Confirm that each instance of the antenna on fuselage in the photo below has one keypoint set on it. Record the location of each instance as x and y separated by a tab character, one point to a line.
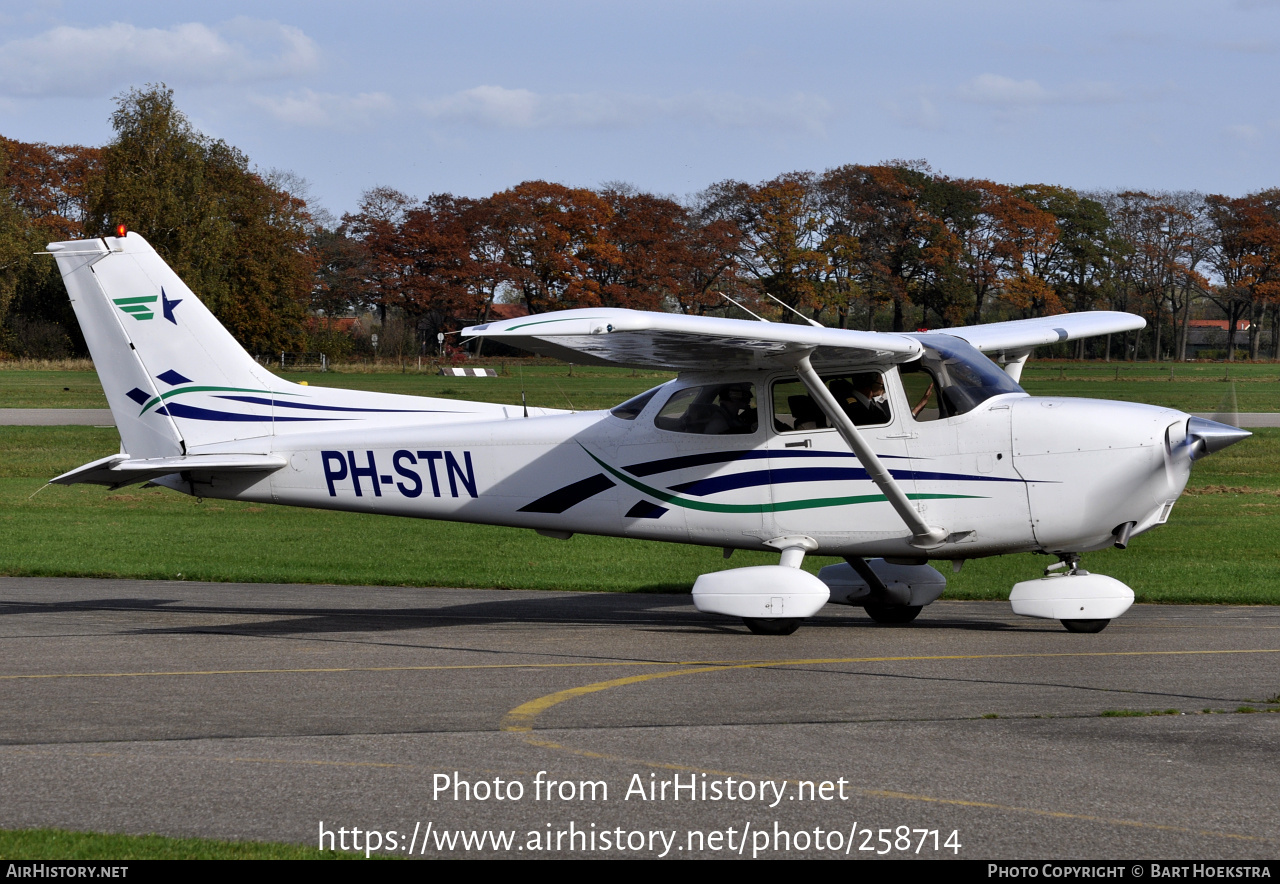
522	399
812	322
740	307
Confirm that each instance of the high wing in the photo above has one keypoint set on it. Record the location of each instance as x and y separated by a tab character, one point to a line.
1021	335
613	336
1010	343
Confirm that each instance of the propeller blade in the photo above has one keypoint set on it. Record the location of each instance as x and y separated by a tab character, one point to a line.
1228	411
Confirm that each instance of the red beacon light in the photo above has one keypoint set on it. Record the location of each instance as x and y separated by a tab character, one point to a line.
122	230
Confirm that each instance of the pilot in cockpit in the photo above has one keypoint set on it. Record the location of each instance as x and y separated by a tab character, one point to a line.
862	398
733	412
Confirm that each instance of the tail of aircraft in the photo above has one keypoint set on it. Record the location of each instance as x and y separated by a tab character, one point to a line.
163	359
175	378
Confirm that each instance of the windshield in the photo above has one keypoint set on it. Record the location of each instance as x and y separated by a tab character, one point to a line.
631	409
962	376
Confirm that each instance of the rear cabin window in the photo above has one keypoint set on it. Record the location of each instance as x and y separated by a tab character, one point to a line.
712	410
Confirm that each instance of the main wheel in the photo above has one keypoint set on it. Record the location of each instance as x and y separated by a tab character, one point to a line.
899	614
1085	625
772	625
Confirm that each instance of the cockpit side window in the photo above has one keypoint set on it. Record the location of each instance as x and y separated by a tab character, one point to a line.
861	395
921	389
712	410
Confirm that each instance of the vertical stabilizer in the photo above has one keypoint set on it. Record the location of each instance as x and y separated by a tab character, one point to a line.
168	367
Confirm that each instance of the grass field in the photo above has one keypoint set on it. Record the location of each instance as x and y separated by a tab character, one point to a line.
1193	386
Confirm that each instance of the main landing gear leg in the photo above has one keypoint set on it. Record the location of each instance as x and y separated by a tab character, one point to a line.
793	550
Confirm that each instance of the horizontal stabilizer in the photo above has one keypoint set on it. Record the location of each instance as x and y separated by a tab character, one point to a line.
120	469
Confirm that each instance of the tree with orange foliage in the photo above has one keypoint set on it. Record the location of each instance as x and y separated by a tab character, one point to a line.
49	183
46	186
549	235
709	247
643	260
1078	264
376	226
885	239
1009	250
781	223
1247	257
1163	246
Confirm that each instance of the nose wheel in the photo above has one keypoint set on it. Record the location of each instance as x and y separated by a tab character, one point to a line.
1084	625
1080	601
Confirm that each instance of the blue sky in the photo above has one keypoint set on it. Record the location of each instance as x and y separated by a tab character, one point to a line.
474	97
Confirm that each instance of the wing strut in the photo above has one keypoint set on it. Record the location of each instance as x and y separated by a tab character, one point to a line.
924	535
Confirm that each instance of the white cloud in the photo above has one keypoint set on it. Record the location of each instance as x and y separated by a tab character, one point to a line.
503	108
325	110
88	61
1005	92
994	89
915	112
1245	132
1248	47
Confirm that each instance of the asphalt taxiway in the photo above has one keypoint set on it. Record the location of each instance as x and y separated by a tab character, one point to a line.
268	712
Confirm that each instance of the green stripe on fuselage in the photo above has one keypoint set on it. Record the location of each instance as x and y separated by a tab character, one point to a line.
774	507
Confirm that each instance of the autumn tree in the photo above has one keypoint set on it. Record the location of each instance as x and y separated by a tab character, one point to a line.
1010	249
781	225
238	242
548	235
710	248
47	185
16	240
1246	256
1162	247
644	260
899	249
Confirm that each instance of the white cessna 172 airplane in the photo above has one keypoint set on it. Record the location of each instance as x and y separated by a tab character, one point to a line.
886	450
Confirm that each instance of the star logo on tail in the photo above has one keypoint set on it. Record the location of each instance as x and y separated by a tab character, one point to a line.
168	306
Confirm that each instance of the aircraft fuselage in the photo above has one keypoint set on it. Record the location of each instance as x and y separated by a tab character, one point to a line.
1016	473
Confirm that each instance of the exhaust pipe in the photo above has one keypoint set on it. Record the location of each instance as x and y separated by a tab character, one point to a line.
1121	534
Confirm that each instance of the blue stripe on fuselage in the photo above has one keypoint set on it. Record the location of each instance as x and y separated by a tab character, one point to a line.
706	458
258	400
753	478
